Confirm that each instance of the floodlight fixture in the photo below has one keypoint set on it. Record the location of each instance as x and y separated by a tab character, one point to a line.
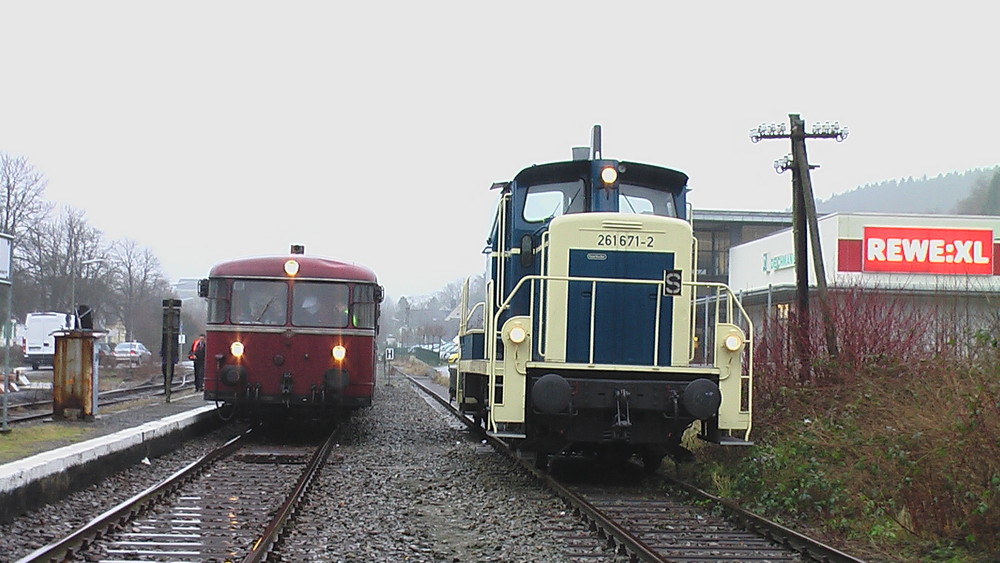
783	163
828	130
768	131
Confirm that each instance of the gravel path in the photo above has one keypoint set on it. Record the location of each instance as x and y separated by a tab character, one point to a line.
404	484
407	484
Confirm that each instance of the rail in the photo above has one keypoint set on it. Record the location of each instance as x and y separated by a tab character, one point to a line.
628	534
68	547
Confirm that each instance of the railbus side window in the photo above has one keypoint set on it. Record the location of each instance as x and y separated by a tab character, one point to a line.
259	302
218	301
363	306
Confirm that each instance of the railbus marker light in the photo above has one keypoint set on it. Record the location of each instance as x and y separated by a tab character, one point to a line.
733	342
339	352
236	349
292	267
609	175
517	335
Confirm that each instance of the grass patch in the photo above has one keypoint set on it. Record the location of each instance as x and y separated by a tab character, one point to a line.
24	441
889	448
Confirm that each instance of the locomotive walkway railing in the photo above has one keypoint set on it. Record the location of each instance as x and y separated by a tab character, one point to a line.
719	305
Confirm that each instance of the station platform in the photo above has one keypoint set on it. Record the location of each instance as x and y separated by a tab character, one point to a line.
40	466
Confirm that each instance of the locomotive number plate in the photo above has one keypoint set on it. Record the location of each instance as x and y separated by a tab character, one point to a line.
625	240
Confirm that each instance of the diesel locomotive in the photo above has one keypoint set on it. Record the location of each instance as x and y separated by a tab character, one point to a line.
592	335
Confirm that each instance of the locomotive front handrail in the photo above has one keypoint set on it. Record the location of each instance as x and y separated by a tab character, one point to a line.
722	291
594	281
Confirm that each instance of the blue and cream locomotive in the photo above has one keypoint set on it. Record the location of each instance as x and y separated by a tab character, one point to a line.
584	340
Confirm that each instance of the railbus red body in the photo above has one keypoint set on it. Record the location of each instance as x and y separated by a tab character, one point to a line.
292	333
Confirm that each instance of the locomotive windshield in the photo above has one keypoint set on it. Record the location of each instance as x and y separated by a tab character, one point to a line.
542	202
643	200
545	201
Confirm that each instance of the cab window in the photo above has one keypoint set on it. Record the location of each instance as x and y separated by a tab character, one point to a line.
642	200
545	201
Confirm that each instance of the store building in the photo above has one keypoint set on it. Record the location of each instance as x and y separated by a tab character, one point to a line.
946	265
719	230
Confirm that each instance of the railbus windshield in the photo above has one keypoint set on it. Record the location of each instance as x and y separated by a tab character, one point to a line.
314	304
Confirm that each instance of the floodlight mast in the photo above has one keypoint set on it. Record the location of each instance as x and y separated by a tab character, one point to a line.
803	212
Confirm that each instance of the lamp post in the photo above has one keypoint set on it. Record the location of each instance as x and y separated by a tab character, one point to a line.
72	282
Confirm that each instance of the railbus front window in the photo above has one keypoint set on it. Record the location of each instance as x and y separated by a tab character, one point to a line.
321	304
259	302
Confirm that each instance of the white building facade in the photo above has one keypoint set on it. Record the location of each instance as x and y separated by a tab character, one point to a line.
947	262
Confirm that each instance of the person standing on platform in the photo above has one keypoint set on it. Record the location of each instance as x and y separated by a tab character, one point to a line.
197	355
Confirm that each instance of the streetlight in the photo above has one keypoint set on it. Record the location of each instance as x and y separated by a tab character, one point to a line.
72	283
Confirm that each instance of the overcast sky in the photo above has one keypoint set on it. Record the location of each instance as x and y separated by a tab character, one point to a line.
372	131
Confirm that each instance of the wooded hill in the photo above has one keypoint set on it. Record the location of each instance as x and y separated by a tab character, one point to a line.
973	192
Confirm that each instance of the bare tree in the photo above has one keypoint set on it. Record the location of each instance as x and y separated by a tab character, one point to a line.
139	288
51	258
22	190
22	209
450	295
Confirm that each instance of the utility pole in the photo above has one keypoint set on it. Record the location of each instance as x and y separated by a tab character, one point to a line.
803	217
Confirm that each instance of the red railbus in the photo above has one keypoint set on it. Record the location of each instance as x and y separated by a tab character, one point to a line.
290	333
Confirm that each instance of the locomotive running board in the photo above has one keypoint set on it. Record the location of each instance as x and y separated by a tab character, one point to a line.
507	435
733	441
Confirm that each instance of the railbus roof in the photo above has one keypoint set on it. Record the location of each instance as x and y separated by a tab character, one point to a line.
313	267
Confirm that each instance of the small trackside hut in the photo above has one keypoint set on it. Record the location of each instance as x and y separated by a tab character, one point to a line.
291	334
592	335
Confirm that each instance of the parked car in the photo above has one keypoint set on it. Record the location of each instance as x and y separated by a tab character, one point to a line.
105	355
133	354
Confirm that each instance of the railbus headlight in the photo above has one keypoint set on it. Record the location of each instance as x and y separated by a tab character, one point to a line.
339	352
292	267
236	349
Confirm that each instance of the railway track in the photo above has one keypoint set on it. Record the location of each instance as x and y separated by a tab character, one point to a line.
230	505
664	523
38	410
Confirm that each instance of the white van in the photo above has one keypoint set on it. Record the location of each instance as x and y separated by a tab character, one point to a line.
39	344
